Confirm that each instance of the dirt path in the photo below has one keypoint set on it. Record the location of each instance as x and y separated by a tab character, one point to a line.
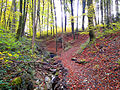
74	69
102	71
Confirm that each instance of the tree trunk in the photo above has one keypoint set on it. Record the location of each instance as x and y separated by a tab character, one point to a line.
23	19
65	10
5	15
55	22
48	20
105	12
83	19
108	21
20	22
77	16
61	16
98	11
101	6
14	16
90	14
51	17
43	13
72	20
117	9
1	10
38	16
34	14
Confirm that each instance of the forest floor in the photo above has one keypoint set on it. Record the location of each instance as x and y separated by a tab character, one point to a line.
102	70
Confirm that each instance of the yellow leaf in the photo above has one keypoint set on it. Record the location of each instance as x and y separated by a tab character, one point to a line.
9	54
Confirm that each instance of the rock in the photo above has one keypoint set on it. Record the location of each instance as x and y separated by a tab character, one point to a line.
52	55
55	80
53	70
81	62
38	81
74	59
48	82
47	79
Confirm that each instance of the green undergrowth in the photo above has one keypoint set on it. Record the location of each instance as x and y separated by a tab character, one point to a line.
14	56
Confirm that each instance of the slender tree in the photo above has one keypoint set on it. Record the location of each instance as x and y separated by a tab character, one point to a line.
55	22
5	14
98	11
83	19
117	9
34	14
101	6
105	8
65	14
72	20
20	22
48	19
38	16
1	10
14	16
52	26
77	16
108	21
23	18
61	15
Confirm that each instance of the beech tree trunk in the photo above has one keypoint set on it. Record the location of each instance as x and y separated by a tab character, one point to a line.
83	19
55	22
72	20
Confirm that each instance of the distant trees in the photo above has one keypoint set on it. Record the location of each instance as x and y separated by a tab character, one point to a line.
21	19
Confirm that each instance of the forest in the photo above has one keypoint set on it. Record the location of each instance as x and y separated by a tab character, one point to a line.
59	44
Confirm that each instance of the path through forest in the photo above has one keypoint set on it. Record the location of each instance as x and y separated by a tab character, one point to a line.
101	71
74	69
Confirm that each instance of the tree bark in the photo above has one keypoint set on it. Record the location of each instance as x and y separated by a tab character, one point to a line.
101	6
72	20
48	20
5	14
14	16
55	23
38	16
1	10
20	22
23	18
117	9
105	11
90	14
65	10
77	16
34	14
83	19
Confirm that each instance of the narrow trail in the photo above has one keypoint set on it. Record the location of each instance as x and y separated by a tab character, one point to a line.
101	71
74	69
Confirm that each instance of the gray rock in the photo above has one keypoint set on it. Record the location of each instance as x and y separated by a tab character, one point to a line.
47	79
74	59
